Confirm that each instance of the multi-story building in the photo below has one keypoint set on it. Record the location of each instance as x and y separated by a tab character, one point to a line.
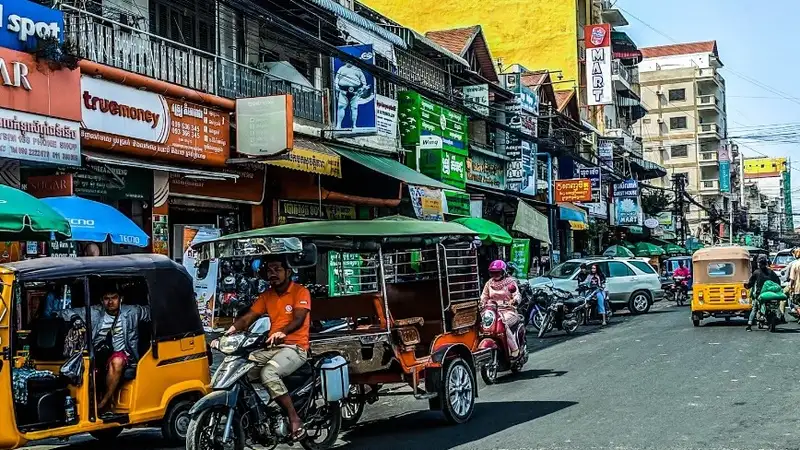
771	176
686	124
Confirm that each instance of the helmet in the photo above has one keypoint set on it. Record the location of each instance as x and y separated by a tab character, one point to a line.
762	260
497	266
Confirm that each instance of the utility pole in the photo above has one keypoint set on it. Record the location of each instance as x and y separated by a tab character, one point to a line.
679	190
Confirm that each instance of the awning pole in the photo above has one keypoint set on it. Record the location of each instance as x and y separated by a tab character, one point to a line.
319	195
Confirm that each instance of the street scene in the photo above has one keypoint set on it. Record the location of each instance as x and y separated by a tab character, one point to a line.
359	224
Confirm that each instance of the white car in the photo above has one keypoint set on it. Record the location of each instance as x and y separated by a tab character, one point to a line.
631	282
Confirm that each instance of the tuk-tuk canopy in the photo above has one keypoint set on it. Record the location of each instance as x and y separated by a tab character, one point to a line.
721	265
171	289
357	229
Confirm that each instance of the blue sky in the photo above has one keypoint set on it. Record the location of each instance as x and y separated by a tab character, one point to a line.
755	40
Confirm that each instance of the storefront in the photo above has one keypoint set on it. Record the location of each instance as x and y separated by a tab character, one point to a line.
573	226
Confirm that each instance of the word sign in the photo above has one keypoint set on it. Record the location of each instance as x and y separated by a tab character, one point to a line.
23	20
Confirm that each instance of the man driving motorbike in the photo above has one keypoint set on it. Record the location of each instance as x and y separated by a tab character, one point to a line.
288	306
503	289
756	282
682	272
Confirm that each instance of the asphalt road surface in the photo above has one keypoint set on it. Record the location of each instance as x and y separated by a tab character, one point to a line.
644	382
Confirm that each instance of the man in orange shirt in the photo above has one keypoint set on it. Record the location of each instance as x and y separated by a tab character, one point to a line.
288	305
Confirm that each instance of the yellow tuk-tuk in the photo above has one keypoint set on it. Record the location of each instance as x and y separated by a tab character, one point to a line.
41	302
720	274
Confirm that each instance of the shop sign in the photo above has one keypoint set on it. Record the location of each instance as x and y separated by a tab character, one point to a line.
34	138
427	202
160	234
248	188
354	92
528	98
344	274
309	160
50	186
598	65
420	117
23	22
724	176
456	203
486	171
386	121
787	199
476	98
627	210
573	190
521	255
442	165
62	249
205	289
521	169
531	222
264	125
122	119
593	174
312	211
529	175
27	86
651	223
599	209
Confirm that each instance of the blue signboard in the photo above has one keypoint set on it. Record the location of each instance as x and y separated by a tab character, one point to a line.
354	93
23	22
626	203
724	176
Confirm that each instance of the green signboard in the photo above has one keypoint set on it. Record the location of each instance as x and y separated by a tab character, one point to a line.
787	199
521	255
457	203
442	165
344	274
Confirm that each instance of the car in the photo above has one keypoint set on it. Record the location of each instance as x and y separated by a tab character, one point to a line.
780	263
631	282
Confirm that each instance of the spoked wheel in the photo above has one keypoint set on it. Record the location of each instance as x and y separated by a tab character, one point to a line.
206	429
547	323
458	391
580	317
538	318
353	406
489	371
323	430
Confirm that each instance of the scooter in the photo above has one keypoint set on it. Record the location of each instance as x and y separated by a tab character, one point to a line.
679	290
768	314
493	334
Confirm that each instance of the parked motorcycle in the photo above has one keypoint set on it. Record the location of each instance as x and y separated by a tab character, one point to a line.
564	312
239	413
493	333
535	308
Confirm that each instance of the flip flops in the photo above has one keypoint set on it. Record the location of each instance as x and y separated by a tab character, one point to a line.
299	434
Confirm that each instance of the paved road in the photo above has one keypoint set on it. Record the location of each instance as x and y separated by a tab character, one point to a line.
650	381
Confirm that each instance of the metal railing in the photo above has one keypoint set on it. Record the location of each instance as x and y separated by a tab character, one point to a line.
707	100
114	44
629	141
708	156
631	75
706	185
709	128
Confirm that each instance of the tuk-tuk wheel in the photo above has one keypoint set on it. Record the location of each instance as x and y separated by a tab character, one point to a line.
457	391
109	434
176	422
696	322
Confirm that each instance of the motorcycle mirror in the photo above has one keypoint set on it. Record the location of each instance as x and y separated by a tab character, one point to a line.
306	258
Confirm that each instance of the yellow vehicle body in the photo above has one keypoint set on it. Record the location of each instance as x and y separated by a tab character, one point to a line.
170	373
719	278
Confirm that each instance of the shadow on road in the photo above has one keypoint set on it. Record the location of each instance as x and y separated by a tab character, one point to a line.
529	375
132	440
427	429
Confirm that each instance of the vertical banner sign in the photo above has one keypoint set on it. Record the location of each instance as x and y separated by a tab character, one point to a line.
598	65
626	203
724	157
605	154
787	198
205	288
593	174
427	202
354	92
521	255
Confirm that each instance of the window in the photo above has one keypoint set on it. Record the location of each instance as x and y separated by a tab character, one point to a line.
724	269
677	95
564	270
679	151
643	266
646	120
193	26
677	123
618	269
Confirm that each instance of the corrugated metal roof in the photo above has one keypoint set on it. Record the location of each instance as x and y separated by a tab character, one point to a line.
681	49
346	14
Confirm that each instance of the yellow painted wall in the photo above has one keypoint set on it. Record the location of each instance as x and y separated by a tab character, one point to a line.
539	34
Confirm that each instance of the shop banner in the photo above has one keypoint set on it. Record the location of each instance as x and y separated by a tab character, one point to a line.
456	203
573	190
427	203
528	98
344	274
264	125
529	174
160	236
724	176
62	249
60	185
486	171
419	117
605	155
354	92
23	22
311	211
627	209
598	65
521	256
445	166
38	139
476	98
593	174
310	157
521	169
248	188
205	289
94	180
531	222
121	119
386	121
29	86
787	199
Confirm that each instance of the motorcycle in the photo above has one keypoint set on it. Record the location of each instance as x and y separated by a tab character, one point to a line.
590	294
677	291
493	334
535	307
239	413
564	311
768	315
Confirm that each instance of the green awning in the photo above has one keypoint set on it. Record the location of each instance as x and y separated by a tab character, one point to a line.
628	245
392	168
670	248
619	251
648	249
487	231
24	217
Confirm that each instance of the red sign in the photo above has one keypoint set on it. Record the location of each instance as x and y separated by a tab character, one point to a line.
597	35
248	188
50	186
574	190
32	87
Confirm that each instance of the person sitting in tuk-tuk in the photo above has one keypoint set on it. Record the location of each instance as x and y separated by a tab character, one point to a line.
756	282
503	289
115	336
288	305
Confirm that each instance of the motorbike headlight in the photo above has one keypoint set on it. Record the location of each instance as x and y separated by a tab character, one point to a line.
229	344
487	319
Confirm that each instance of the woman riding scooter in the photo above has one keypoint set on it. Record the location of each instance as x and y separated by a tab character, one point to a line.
503	290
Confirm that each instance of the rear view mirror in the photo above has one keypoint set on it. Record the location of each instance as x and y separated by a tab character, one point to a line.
306	258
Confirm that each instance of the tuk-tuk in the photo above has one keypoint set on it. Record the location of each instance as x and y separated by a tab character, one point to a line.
45	397
720	274
401	297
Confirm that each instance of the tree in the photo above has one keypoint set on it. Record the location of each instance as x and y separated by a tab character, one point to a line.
656	201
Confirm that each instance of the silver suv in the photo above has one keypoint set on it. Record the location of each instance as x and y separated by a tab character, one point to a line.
631	283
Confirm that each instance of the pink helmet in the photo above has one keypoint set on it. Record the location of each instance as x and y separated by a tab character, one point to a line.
497	266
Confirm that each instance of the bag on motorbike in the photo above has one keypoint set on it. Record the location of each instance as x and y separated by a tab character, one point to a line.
771	286
772	296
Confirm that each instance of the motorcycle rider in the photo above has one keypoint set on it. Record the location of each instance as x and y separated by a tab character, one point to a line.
503	289
683	272
756	282
288	305
597	278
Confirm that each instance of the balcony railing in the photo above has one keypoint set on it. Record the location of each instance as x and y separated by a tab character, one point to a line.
709	185
707	100
706	128
710	73
629	75
114	44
